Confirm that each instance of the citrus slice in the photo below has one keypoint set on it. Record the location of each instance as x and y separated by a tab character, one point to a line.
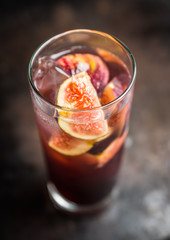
78	93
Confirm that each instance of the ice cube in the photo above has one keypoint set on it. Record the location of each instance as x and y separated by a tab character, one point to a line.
48	78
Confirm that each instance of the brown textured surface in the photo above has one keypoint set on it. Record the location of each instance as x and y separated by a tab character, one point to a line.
142	209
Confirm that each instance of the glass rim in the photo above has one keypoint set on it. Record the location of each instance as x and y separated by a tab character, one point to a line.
57	107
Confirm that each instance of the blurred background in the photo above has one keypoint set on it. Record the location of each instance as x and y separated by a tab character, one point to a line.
142	209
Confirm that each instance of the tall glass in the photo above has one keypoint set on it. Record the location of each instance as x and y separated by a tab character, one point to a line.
81	177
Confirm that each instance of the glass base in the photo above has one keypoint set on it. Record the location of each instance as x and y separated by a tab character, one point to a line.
65	205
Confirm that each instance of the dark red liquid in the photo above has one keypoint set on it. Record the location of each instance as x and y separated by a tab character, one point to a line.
82	183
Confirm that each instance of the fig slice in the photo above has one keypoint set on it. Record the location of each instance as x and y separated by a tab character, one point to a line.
112	91
78	93
103	158
67	145
111	150
117	118
92	64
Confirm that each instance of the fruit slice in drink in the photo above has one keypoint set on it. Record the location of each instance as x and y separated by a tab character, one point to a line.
112	91
75	93
85	159
118	116
101	159
67	145
92	64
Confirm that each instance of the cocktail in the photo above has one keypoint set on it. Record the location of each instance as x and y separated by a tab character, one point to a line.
82	85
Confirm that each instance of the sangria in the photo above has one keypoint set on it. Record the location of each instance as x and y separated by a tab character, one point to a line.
82	87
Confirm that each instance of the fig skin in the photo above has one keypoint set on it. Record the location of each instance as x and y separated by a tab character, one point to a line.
92	64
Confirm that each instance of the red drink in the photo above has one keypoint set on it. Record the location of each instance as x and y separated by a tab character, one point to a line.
84	129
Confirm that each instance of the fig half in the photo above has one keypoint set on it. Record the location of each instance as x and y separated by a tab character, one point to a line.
92	64
78	93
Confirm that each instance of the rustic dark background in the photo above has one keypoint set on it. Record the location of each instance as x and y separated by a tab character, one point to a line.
142	209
